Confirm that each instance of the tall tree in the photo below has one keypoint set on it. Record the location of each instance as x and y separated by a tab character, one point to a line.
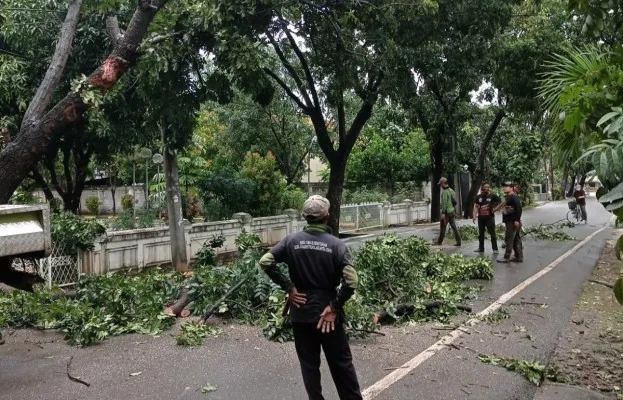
326	51
439	76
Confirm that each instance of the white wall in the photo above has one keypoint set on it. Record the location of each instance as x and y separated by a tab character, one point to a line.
151	247
105	196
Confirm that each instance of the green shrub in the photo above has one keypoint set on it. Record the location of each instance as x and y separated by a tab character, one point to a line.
93	205
363	195
74	233
127	202
293	198
557	194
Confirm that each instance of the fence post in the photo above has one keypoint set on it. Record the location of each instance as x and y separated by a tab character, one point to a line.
409	204
357	207
293	215
49	261
385	217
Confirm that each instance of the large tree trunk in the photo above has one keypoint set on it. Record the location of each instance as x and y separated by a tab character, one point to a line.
479	173
334	194
436	160
174	206
550	176
565	175
38	130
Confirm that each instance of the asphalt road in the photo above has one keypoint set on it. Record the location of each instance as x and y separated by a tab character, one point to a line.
241	364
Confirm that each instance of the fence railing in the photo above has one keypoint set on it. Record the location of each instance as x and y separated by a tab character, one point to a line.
357	217
58	269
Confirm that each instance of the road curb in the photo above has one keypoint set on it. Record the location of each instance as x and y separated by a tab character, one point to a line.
556	391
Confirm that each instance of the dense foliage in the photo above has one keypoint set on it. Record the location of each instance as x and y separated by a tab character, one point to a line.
392	271
72	233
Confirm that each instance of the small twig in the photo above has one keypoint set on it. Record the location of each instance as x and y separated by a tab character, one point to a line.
466	392
453	346
538	315
445	328
606	284
75	378
478	384
391	368
367	331
33	342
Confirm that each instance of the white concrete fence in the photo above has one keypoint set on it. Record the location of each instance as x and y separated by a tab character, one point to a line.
150	247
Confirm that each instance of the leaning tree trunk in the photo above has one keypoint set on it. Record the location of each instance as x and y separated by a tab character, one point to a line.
479	173
39	128
174	206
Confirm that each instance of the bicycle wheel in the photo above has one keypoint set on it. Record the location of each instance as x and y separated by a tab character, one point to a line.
572	217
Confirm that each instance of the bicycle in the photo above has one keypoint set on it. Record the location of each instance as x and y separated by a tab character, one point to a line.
574	215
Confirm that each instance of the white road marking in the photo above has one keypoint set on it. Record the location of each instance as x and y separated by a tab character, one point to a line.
372	391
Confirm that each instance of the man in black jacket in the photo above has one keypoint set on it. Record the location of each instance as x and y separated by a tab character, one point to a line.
317	263
512	221
484	207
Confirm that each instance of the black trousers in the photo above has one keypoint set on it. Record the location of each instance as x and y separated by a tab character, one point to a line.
487	224
308	340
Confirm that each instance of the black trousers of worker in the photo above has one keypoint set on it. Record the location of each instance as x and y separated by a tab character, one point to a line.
308	340
487	224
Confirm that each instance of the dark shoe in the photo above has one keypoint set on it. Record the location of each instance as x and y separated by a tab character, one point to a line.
517	260
457	244
504	261
479	251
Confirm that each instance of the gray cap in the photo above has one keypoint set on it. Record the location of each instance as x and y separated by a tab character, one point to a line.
316	207
442	180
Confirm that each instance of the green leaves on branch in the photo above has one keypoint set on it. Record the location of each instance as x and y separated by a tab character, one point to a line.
193	333
72	233
534	371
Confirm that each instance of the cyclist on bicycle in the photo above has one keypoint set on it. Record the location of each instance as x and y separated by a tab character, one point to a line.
580	199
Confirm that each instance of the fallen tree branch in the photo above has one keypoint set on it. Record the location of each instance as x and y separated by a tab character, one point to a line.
403	310
75	378
208	313
606	284
367	331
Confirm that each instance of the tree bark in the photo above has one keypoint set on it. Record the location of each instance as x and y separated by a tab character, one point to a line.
336	188
436	159
46	89
479	173
174	205
21	155
550	176
40	180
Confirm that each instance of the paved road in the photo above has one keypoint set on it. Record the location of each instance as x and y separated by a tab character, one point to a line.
243	365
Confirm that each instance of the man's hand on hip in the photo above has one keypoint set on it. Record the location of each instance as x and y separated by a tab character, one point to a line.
296	298
327	320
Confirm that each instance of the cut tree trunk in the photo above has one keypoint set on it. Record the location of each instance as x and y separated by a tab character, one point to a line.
176	309
479	173
37	131
174	206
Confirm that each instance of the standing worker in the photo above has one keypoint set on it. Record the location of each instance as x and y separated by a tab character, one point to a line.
580	199
317	263
512	221
448	213
483	211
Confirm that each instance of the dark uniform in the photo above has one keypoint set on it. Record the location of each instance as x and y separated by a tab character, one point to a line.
317	263
512	214
485	203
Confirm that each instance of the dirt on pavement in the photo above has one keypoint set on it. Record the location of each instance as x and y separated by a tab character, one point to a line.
590	352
